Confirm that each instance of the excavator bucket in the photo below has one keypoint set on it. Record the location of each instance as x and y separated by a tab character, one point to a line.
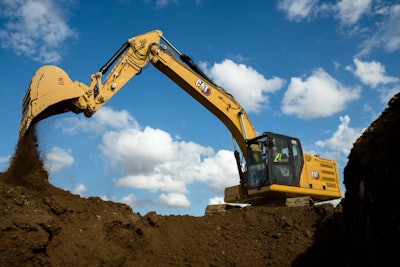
50	92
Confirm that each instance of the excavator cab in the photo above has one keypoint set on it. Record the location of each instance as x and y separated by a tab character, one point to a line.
274	159
277	172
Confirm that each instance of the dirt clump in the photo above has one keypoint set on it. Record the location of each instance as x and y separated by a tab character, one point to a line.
42	225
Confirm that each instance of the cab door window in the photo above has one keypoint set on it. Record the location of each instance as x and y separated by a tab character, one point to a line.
282	167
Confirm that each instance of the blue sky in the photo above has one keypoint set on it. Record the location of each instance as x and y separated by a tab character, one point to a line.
318	70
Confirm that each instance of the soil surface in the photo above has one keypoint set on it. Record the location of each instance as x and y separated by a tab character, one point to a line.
42	225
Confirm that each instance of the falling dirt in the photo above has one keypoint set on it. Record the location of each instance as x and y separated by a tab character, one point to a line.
42	225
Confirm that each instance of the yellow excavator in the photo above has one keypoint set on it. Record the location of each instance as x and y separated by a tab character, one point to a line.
272	168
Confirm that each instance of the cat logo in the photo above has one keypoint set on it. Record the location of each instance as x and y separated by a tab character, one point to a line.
205	89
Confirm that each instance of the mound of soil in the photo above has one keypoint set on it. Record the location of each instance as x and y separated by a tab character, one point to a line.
372	180
42	225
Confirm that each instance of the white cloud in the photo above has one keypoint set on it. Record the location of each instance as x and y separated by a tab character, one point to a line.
218	171
174	200
151	159
153	182
341	142
5	161
387	94
384	33
36	29
104	197
249	87
103	119
350	11
58	159
319	95
371	73
297	9
128	200
106	116
80	189
390	30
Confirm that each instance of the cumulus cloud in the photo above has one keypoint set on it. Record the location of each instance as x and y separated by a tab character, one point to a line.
151	159
105	118
4	161
319	95
297	9
153	182
57	159
80	189
341	142
144	148
371	73
128	200
161	163
35	29
249	87
174	200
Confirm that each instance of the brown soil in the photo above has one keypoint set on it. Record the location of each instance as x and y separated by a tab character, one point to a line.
42	225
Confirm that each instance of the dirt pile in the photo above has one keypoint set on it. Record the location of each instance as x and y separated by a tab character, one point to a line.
42	225
372	180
